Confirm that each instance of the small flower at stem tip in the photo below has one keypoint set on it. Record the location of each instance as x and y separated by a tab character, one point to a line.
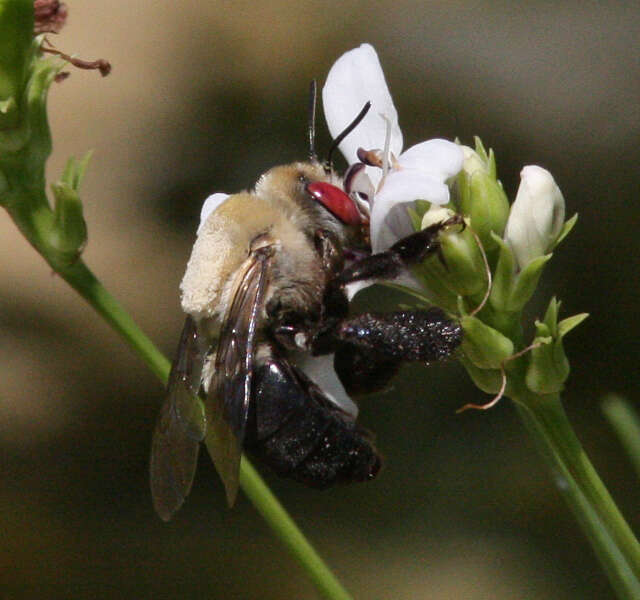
537	216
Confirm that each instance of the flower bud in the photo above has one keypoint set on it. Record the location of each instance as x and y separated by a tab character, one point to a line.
548	366
537	216
69	232
484	347
488	380
480	195
462	267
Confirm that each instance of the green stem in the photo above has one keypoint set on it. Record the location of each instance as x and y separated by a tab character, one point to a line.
87	285
613	541
279	520
626	424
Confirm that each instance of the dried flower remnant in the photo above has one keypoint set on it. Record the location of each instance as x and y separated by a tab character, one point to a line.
102	65
49	16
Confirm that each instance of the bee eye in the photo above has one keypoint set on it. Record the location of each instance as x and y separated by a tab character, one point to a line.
335	201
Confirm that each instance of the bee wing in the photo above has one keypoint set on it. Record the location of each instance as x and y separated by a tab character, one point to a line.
180	427
229	394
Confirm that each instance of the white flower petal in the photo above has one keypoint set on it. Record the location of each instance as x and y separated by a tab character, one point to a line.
354	79
536	216
320	370
389	218
439	157
210	204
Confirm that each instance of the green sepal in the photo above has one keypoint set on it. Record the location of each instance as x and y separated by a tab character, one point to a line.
526	283
69	233
566	230
548	367
488	380
566	325
485	347
504	275
511	291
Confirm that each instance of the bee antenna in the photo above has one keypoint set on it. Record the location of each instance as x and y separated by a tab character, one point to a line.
345	132
312	121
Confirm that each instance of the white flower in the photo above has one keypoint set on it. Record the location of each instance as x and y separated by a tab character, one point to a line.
536	217
420	172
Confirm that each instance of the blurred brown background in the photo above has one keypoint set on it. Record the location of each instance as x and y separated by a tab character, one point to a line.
203	97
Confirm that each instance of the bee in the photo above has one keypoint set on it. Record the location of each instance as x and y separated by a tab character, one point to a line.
265	285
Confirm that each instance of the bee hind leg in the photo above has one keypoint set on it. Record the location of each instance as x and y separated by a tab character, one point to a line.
371	346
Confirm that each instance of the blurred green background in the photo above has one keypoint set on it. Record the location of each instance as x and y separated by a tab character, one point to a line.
203	97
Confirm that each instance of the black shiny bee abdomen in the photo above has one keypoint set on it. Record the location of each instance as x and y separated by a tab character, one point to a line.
294	428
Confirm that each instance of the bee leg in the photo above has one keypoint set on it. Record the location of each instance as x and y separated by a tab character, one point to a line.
401	336
364	372
407	335
408	251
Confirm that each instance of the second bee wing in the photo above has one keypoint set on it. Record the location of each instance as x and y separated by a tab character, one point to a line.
229	394
180	427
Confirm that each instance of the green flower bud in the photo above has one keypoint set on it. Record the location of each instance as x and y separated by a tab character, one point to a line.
16	34
480	195
69	232
548	367
483	346
463	271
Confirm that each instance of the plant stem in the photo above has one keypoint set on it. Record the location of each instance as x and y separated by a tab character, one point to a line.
608	532
626	424
279	520
87	285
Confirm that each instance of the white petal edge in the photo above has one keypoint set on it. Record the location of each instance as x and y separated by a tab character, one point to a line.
210	204
354	79
441	158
